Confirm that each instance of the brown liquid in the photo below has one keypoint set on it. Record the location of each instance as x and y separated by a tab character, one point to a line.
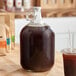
69	64
37	48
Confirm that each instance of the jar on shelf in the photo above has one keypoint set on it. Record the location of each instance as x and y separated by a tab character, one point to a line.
27	4
18	5
10	5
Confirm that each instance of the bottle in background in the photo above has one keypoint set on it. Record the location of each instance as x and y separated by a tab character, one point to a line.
10	5
2	39
8	42
13	42
27	4
12	34
18	5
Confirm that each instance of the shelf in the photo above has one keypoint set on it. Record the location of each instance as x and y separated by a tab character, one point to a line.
52	9
58	12
46	13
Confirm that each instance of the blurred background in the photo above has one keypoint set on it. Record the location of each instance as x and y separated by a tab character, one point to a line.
59	14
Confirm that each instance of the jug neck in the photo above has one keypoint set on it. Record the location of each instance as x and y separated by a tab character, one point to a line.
37	15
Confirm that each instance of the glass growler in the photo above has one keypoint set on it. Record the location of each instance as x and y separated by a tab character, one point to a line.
37	44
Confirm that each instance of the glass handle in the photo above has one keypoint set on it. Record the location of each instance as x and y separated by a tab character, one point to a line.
30	16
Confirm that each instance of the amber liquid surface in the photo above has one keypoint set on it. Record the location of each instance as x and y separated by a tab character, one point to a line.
69	64
37	48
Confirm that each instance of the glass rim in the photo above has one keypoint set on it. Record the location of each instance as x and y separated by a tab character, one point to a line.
68	51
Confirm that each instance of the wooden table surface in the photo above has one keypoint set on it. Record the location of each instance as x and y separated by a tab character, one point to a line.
10	66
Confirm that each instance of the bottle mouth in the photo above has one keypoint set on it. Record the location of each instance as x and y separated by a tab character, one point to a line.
37	8
69	51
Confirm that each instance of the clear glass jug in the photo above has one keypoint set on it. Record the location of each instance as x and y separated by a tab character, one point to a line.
37	44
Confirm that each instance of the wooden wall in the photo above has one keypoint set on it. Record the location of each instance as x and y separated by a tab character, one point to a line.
58	8
52	8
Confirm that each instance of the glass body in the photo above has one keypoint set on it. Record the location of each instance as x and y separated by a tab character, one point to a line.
37	44
69	64
37	48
